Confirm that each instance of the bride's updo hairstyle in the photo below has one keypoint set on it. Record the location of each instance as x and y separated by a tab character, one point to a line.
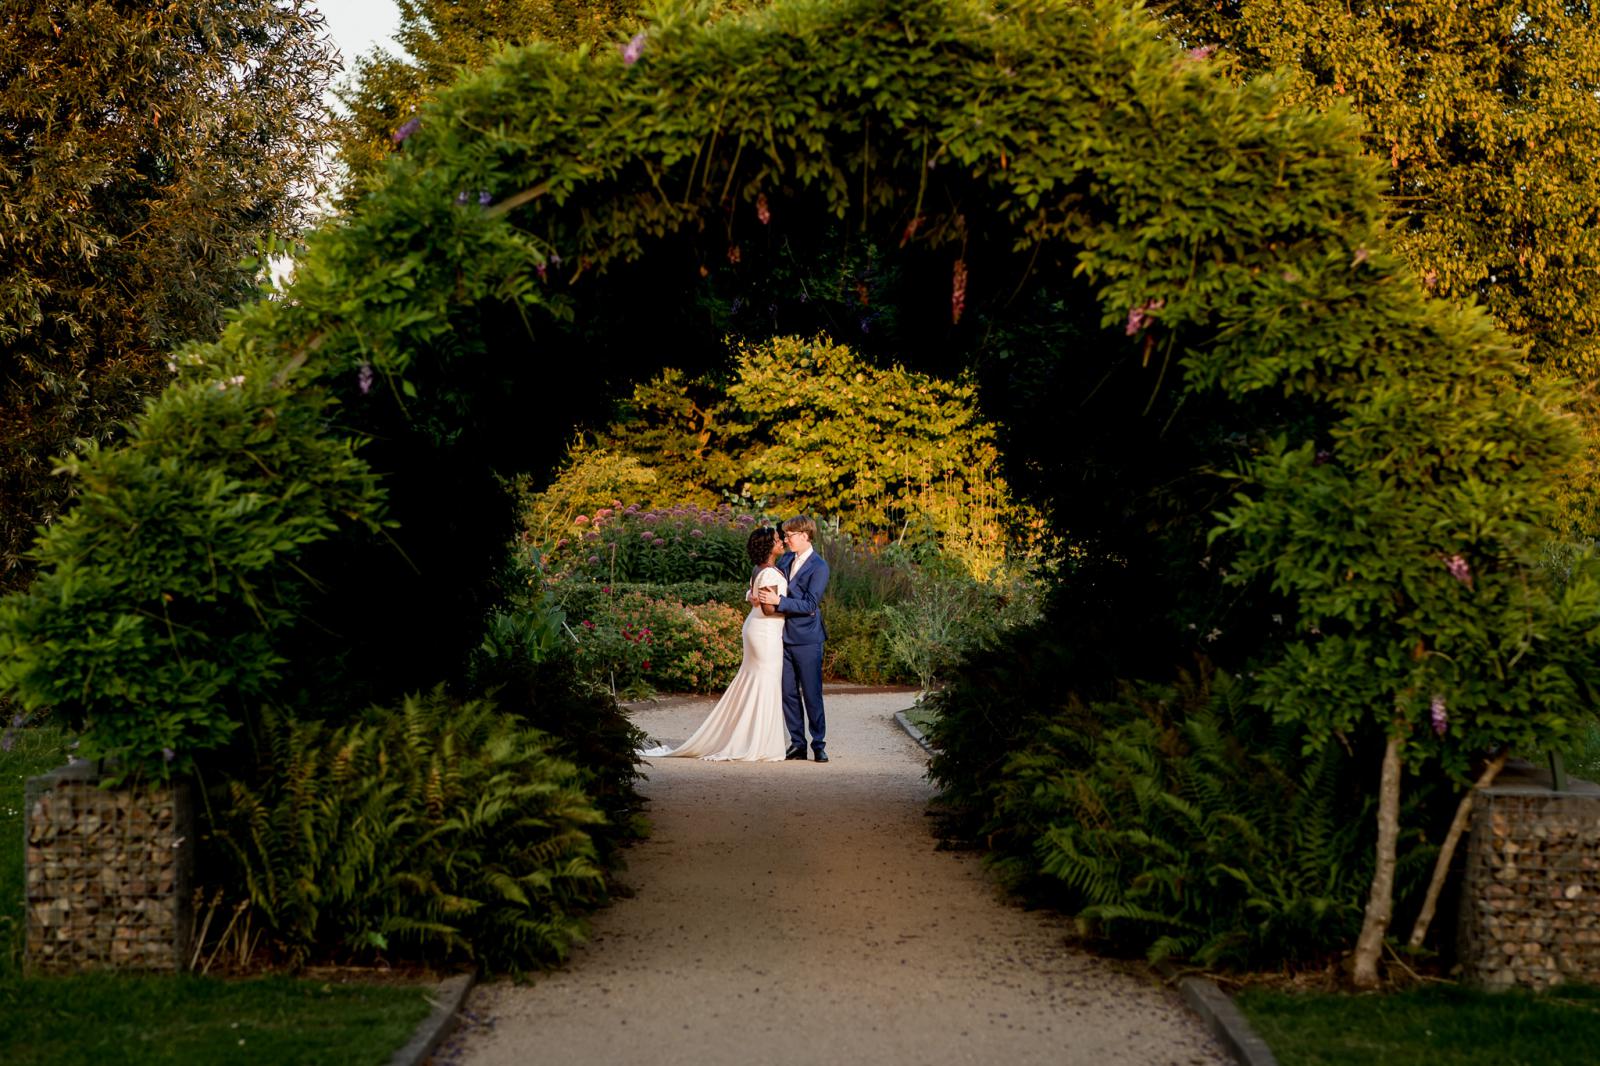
759	546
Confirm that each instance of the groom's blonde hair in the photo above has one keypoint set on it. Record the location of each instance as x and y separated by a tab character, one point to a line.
801	523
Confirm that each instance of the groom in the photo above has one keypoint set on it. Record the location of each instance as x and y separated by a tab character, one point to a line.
803	634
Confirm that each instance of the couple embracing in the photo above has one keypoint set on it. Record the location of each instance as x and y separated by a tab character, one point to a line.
763	715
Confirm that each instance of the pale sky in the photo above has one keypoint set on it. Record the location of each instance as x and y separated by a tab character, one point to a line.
357	25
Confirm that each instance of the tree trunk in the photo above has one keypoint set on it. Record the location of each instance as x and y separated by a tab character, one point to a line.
1381	902
1442	866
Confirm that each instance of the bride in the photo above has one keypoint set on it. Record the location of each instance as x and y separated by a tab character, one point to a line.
747	722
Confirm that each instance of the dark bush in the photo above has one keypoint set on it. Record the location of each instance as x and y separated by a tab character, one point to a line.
526	665
858	648
435	830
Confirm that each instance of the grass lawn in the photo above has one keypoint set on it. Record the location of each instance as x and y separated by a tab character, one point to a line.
1429	1026
36	751
920	718
150	1020
145	1021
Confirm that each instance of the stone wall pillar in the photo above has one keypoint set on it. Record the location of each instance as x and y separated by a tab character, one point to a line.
109	873
1530	905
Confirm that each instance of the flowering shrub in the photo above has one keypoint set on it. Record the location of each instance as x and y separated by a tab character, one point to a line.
638	643
619	544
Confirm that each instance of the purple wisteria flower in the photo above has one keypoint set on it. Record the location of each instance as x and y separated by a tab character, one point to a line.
633	49
484	198
1439	716
411	126
167	755
1459	570
364	378
1140	317
461	199
8	739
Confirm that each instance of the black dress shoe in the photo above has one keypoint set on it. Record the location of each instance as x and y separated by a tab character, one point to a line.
795	753
821	756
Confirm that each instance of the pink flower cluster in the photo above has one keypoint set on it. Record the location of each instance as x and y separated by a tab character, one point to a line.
1141	316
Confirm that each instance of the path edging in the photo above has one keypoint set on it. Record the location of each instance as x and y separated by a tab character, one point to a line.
426	1038
912	731
1222	1016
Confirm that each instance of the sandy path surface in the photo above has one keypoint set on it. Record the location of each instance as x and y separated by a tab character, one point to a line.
799	913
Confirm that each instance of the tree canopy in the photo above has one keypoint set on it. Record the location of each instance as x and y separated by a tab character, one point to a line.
146	152
443	38
808	424
1486	115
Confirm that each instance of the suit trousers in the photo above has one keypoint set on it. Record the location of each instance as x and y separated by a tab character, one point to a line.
802	695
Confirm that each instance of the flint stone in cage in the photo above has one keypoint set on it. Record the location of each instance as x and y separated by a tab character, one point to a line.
1530	907
108	873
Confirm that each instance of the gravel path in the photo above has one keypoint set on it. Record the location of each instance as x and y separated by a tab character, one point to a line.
799	913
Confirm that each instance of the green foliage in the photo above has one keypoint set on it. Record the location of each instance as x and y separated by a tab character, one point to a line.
527	665
581	599
638	643
860	574
1486	114
1186	825
179	565
811	426
858	648
590	479
434	830
145	155
678	426
441	38
662	546
948	615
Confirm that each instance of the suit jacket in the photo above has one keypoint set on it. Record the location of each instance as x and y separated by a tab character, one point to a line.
802	607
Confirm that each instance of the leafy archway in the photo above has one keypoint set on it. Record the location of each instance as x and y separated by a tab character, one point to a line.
310	517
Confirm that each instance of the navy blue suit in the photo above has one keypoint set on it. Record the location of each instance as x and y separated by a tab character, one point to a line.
803	634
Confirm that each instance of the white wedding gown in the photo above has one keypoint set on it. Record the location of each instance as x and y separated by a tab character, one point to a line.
747	722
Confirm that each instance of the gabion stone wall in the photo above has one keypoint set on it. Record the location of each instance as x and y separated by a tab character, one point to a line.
108	874
1530	907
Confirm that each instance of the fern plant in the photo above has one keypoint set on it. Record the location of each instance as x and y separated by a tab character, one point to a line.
1190	825
438	829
